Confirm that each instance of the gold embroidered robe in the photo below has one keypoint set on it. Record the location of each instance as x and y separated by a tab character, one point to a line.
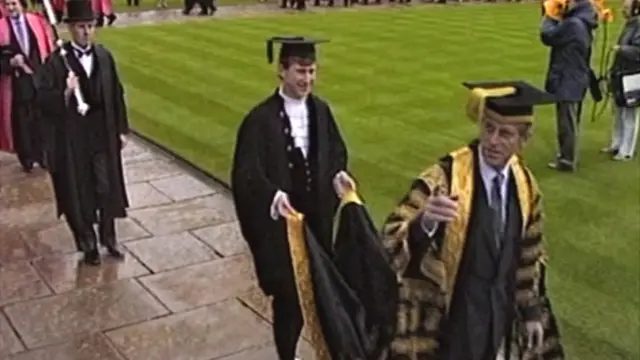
426	299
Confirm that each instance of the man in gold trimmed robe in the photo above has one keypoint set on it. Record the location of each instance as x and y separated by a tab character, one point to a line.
466	242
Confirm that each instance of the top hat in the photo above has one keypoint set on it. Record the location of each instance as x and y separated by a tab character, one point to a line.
78	11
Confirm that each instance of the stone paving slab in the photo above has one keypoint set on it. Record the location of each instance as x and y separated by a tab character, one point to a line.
186	289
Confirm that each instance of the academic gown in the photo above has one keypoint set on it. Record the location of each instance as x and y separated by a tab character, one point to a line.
348	300
261	166
481	306
462	297
20	128
26	134
74	134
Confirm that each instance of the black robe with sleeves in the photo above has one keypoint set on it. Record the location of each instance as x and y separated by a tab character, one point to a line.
27	134
265	161
76	137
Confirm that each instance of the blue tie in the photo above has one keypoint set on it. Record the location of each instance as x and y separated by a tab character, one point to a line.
23	37
496	205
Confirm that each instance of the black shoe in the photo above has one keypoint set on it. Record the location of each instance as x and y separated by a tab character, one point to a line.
114	252
111	19
610	151
92	257
561	166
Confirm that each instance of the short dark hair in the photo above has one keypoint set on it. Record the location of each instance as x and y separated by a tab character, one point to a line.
287	61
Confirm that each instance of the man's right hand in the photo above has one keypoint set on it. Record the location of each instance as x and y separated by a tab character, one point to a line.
439	208
17	61
72	82
281	205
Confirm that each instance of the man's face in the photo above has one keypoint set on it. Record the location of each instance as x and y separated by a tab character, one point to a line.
81	32
626	8
299	78
500	141
14	7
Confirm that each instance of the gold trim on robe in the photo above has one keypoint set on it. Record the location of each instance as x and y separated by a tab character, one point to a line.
425	299
302	275
304	284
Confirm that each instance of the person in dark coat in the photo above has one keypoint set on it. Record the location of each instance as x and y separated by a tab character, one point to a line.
466	240
26	40
86	164
624	135
570	39
289	156
207	7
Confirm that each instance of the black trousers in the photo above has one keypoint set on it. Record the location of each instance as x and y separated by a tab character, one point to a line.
287	320
27	136
81	225
287	314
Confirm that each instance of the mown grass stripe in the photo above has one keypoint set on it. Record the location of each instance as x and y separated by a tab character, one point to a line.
393	78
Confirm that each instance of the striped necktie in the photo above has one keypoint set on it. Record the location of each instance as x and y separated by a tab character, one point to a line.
497	206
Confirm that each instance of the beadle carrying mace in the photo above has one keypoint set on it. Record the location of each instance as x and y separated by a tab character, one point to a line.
83	107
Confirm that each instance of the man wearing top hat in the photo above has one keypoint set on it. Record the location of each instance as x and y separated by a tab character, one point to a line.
289	156
466	242
86	164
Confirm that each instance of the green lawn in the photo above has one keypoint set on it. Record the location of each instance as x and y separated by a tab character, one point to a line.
393	77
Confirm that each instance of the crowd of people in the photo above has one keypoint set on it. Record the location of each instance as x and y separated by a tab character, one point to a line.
461	260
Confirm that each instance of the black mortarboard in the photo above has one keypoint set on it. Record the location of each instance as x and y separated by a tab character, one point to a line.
294	46
512	100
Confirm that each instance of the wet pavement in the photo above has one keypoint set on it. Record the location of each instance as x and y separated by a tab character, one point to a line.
186	289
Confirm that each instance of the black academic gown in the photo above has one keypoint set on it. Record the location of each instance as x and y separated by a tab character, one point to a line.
27	133
262	165
482	311
349	301
357	302
74	135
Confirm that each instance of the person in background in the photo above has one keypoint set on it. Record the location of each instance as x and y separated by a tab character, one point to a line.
58	9
26	40
207	7
289	157
103	9
624	135
466	242
3	9
570	38
86	165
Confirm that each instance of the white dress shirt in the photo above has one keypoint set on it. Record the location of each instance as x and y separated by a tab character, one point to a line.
21	30
487	173
298	114
86	60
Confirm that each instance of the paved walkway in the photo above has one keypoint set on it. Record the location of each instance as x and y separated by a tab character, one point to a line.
185	291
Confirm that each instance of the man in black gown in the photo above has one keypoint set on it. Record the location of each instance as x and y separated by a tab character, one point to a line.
86	164
289	157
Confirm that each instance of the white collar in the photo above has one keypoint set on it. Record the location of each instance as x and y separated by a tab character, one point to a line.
289	99
80	48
